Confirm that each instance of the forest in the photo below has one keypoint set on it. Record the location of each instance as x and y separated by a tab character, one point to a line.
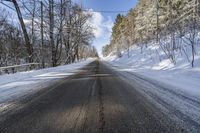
172	25
47	32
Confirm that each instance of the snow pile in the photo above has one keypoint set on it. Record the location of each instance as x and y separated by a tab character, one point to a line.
152	63
18	85
173	88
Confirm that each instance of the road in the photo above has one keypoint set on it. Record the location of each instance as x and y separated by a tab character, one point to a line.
95	100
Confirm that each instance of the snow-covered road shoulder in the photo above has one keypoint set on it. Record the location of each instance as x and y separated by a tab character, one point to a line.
176	92
16	86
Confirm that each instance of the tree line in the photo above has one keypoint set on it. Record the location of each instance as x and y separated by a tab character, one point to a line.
49	32
173	25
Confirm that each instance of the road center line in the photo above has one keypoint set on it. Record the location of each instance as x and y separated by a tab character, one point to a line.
93	88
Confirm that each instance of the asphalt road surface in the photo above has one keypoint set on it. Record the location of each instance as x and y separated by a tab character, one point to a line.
95	100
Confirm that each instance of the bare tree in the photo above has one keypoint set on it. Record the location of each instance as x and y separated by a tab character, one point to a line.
29	47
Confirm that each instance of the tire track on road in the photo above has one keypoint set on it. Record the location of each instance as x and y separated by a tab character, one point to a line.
101	105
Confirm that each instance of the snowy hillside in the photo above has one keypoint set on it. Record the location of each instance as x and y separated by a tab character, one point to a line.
153	63
161	81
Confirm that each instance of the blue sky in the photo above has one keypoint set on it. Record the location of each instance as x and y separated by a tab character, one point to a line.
103	22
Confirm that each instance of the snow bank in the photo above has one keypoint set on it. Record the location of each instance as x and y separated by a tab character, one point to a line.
152	63
15	86
173	88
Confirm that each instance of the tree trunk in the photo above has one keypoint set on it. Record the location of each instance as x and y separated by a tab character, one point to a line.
51	32
193	55
29	47
42	35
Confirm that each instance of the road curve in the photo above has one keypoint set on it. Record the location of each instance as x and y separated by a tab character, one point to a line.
95	100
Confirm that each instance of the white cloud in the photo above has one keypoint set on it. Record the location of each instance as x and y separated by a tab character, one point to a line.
102	29
102	25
